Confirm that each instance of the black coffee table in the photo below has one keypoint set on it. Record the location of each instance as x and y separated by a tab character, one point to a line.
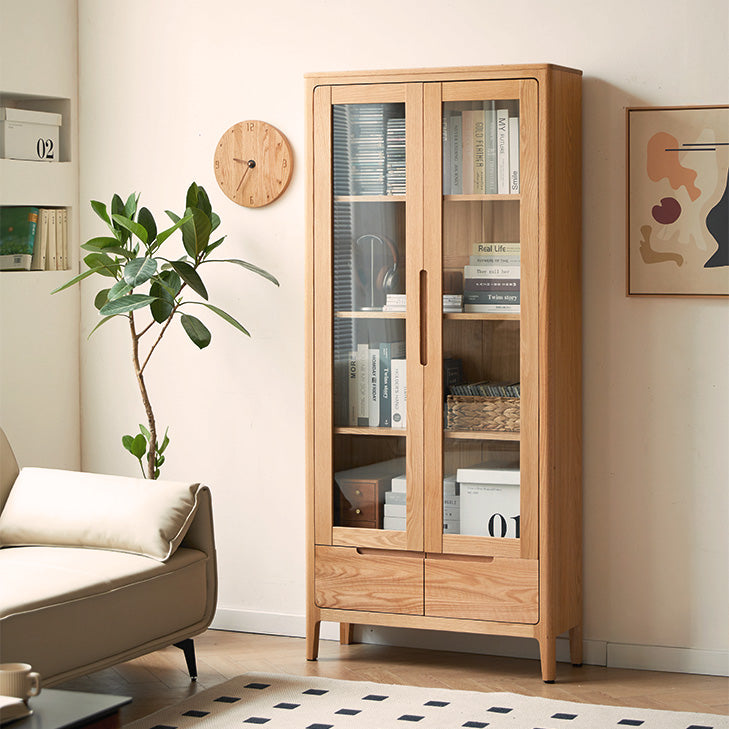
55	709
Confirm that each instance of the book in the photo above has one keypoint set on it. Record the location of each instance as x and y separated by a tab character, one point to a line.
40	247
490	162
446	135
456	144
502	152
12	708
388	352
399	393
492	308
496	248
495	271
491	297
373	385
17	236
479	174
452	373
62	225
467	151
52	250
495	259
514	155
363	407
490	284
352	390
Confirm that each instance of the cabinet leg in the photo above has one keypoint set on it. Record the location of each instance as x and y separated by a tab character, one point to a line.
548	656
346	633
576	645
312	640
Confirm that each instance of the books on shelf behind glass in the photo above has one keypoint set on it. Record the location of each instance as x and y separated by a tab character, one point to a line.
33	238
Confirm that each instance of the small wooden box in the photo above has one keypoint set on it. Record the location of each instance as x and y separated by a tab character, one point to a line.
360	502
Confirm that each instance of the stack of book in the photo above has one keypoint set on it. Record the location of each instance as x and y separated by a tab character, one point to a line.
395	156
395	302
395	514
33	238
452	303
377	394
481	150
492	279
451	506
487	389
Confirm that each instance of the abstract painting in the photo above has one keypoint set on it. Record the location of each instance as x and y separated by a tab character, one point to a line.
678	201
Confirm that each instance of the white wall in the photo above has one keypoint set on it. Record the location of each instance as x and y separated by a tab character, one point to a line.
161	81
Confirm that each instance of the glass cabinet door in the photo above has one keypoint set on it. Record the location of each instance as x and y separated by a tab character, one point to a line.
373	500
483	244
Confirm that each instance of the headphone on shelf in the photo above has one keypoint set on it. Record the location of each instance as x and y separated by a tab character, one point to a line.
375	278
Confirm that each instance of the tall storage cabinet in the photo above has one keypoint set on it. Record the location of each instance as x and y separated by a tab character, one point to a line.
443	362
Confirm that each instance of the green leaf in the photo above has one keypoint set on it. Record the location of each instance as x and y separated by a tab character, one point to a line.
100	209
101	323
78	278
100	243
214	245
164	305
214	220
102	263
203	202
139	446
101	298
170	282
117	205
165	234
119	289
165	443
196	232
145	432
246	265
190	276
223	315
134	228
127	442
139	270
125	304
173	216
196	330
146	220
192	196
130	207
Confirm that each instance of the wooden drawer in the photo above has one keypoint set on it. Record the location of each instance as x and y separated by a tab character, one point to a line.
497	588
348	578
360	504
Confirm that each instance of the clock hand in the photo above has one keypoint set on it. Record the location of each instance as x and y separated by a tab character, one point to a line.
251	164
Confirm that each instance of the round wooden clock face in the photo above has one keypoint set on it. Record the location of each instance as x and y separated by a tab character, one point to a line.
253	163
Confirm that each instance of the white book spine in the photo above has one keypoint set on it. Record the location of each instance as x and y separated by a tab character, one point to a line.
363	406
491	271
398	369
502	151
514	155
456	124
353	389
374	388
491	185
468	126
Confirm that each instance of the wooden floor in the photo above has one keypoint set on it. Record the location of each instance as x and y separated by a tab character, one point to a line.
160	679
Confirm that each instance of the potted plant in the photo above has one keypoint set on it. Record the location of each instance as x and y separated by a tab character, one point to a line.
145	283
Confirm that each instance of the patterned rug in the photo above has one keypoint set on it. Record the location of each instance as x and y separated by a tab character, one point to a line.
299	702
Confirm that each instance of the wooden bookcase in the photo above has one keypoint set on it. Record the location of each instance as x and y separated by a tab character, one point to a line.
403	187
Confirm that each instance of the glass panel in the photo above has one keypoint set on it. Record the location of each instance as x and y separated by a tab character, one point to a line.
481	308
369	315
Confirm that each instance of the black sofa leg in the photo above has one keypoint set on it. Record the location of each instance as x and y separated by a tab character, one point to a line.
188	648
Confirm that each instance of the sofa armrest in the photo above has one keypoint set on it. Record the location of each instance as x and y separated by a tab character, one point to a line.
200	534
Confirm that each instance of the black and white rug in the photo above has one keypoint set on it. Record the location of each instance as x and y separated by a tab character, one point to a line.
298	702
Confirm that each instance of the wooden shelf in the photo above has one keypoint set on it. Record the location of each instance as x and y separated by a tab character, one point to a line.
369	198
479	198
366	430
482	435
370	314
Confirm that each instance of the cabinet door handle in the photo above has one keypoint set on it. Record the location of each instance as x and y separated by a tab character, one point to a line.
423	317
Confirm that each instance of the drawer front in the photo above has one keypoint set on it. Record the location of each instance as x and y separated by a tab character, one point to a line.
359	505
350	579
499	588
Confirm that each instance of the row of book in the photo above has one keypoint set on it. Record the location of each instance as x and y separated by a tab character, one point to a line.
369	150
492	278
33	238
398	302
377	386
487	389
481	150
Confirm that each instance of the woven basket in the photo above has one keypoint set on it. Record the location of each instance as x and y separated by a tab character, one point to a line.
474	412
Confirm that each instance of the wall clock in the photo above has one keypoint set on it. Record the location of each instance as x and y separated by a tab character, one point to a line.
253	163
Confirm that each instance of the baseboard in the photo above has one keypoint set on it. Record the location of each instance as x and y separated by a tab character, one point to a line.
595	652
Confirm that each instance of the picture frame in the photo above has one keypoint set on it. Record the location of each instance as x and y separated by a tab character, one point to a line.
677	217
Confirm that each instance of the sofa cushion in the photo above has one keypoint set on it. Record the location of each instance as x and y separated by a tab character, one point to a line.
63	607
49	507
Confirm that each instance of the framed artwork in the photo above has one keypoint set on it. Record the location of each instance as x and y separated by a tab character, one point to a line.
678	205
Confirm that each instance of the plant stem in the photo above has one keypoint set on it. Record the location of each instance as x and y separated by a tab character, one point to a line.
151	455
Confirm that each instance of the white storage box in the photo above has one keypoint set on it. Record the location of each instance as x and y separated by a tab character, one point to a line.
489	501
29	135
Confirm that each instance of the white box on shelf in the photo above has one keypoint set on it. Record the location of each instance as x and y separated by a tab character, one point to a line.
29	135
398	523
489	501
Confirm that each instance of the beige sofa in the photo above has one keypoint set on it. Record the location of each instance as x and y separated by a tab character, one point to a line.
96	570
